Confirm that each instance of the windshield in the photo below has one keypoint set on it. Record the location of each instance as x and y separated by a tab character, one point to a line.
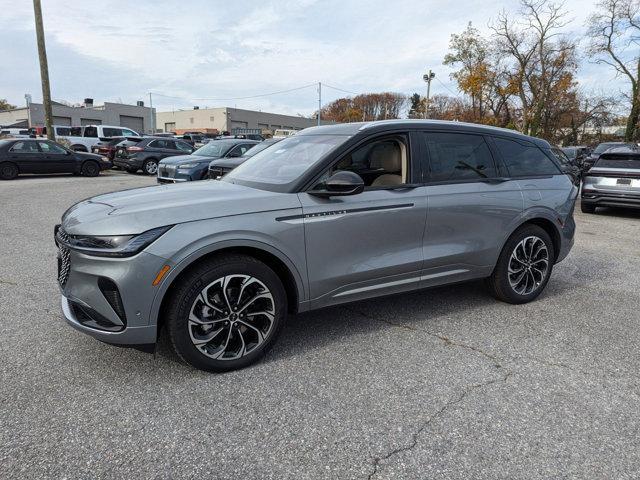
604	147
214	149
258	148
285	162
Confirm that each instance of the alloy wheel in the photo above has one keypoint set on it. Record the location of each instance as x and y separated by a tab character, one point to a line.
231	317
528	265
151	168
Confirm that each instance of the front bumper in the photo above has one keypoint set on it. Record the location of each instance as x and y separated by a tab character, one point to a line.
90	309
127	162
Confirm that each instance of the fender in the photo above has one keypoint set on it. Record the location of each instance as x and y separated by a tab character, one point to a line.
191	255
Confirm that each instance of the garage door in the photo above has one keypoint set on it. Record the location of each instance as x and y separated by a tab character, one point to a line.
235	125
90	121
134	123
66	121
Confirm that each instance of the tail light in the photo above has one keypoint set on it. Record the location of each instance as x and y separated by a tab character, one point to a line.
134	149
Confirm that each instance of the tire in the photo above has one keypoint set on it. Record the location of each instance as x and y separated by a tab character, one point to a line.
78	148
90	169
585	208
131	170
523	244
150	167
247	337
8	171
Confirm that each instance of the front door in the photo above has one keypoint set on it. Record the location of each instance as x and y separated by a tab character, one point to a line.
369	243
472	204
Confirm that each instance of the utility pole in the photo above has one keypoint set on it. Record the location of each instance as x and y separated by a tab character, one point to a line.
427	77
153	120
319	100
44	71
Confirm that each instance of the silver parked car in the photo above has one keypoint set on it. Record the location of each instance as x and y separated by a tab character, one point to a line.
614	180
332	215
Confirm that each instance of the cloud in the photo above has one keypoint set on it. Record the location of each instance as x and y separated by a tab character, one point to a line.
118	49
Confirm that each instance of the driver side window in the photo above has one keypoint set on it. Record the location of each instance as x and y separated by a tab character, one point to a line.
380	163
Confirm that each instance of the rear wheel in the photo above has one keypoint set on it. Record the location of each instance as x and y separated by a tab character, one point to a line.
90	169
524	266
226	313
586	208
8	171
150	167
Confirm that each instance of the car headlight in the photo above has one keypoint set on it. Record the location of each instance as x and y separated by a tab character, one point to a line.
115	245
187	165
104	159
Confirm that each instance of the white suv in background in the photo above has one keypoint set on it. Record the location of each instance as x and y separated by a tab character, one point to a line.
82	139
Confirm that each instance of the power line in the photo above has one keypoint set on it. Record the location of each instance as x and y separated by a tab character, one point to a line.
339	89
258	96
440	82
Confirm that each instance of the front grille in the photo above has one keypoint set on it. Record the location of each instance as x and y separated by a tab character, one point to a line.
64	257
166	171
218	172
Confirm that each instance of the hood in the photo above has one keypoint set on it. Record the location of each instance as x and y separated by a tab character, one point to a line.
138	210
83	156
178	159
228	162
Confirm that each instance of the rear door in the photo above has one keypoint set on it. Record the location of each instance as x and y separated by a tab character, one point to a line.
27	156
471	204
370	243
161	148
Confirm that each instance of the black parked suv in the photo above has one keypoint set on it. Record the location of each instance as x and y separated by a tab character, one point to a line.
196	167
222	166
144	153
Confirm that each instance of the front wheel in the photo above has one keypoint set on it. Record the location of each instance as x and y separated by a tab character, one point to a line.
226	313
150	167
524	266
90	169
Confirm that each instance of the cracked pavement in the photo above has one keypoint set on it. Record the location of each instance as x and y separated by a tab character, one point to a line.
442	383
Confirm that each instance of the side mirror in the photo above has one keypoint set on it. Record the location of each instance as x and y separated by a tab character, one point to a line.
341	184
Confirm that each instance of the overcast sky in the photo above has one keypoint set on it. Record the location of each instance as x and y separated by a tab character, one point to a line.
196	49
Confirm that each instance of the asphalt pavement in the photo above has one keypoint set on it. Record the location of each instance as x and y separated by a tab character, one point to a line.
444	383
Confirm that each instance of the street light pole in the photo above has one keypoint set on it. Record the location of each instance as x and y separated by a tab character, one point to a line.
153	120
319	100
44	71
427	77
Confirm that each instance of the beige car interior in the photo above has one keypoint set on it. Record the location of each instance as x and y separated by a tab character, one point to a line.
390	156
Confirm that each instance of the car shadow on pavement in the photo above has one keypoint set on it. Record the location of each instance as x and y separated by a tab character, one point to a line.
619	212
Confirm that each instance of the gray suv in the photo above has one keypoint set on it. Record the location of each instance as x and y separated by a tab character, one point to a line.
332	215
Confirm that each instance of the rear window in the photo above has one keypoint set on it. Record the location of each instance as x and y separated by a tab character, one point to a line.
619	161
525	159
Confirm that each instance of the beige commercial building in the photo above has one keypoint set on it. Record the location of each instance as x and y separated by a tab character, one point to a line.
225	119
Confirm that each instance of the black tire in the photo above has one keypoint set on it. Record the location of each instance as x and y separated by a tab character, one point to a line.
150	167
90	169
131	170
8	171
499	282
186	296
586	208
78	148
